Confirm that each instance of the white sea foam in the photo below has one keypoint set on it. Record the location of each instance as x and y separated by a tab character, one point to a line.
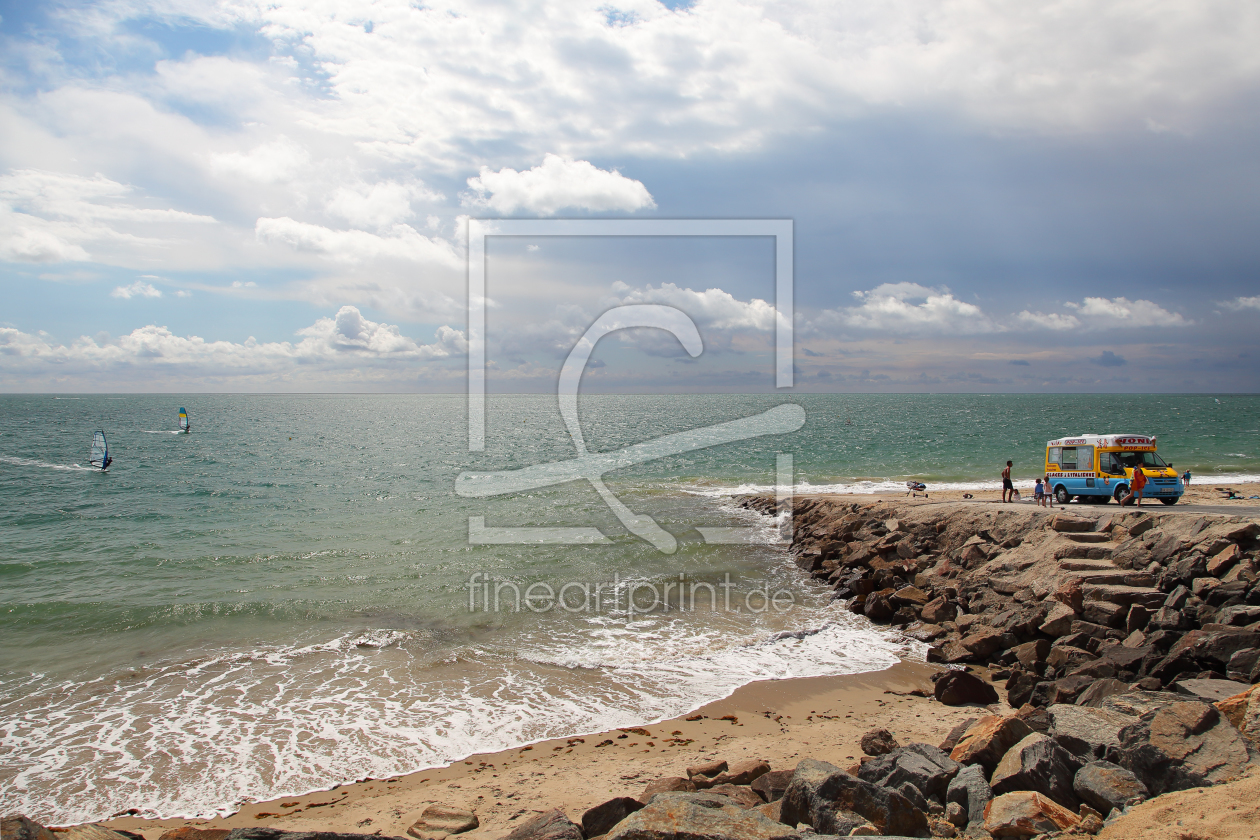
30	462
197	738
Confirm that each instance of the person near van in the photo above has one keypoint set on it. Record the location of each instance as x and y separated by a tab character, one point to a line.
1049	495
1136	486
1186	478
1039	494
1008	489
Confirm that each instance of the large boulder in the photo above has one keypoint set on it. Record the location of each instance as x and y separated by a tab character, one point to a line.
958	688
826	797
549	825
988	739
1026	814
1181	746
669	784
922	766
1037	763
770	786
18	827
601	819
267	833
1103	785
698	816
970	789
438	821
1089	733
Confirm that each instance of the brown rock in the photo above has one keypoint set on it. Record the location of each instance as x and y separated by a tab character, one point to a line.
188	832
1220	563
1030	653
1065	524
939	610
744	797
438	821
743	773
602	818
911	595
772	810
1066	657
708	769
955	735
1183	745
958	688
982	643
1025	814
549	825
698	816
18	827
879	742
988	739
770	786
1059	620
667	785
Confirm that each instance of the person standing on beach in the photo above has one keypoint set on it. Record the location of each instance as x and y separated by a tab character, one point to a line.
1137	486
1008	488
1186	479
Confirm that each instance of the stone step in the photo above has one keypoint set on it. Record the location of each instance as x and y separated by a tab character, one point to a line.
1082	564
1077	551
1124	594
1119	577
1089	537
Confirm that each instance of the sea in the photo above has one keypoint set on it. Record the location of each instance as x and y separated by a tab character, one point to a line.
293	595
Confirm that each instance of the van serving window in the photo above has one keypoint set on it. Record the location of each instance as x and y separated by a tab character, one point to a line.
1053	457
1069	458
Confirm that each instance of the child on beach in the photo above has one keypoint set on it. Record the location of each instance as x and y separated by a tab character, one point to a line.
1039	494
1049	500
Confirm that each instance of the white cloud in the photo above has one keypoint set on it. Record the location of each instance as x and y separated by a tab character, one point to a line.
377	205
1243	303
557	184
1049	321
402	242
712	308
344	340
907	308
50	216
1122	312
275	162
136	289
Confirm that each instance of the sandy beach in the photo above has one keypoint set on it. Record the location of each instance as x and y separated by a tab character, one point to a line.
779	721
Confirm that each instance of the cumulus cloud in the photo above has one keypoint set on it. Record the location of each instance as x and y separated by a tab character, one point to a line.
1129	313
377	205
714	308
136	289
1109	359
556	184
1098	313
1244	303
343	340
909	307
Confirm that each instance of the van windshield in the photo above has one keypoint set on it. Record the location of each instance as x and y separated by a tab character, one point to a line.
1149	460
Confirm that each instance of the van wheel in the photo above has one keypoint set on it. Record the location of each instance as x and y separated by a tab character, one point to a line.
1171	501
1061	495
1120	493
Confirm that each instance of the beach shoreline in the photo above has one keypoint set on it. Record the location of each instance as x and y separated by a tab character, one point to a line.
817	717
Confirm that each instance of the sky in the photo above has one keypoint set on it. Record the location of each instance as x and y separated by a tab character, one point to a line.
202	196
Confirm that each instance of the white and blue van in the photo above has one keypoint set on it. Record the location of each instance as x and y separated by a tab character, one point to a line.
1098	468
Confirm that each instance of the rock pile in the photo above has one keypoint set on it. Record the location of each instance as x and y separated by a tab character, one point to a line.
1063	607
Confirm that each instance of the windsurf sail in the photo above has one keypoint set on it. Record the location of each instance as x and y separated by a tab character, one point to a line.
183	420
100	451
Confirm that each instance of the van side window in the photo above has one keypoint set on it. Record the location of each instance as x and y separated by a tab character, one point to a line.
1085	458
1053	456
1069	458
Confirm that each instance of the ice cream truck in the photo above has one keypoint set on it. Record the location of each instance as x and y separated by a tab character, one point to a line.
1098	468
